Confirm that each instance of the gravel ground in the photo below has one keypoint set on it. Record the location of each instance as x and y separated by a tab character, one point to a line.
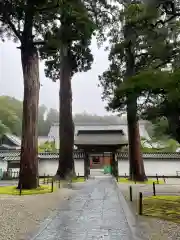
151	228
20	215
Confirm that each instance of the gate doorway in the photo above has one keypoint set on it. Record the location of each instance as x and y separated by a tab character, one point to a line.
102	161
101	164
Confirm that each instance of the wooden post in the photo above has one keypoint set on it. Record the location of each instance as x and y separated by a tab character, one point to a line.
157	178
140	203
154	189
125	175
52	185
44	178
20	190
59	183
164	179
130	193
47	179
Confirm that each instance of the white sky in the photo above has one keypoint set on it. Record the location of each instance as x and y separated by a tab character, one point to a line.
86	94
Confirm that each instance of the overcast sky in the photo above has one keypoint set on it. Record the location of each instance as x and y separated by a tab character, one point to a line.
86	94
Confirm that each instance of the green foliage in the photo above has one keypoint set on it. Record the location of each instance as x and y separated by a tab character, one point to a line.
3	128
171	145
11	117
18	19
79	21
12	190
150	46
47	147
159	145
162	100
161	128
11	114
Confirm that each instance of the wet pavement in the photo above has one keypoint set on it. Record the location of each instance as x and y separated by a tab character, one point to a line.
4	183
95	212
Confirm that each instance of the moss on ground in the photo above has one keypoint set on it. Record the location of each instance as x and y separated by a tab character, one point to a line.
149	181
49	180
12	190
78	179
163	207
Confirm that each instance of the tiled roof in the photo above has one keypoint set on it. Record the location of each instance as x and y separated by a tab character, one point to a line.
7	153
102	139
16	140
12	158
100	123
157	155
15	155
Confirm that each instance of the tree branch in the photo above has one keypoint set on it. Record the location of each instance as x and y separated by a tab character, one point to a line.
48	8
7	20
12	26
41	42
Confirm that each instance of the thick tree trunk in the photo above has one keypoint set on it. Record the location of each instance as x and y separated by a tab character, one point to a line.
28	178
136	171
66	129
136	164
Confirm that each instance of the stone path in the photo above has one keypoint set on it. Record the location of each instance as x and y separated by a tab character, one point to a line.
94	213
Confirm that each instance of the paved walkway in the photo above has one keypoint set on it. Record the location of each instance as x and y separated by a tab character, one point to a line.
94	213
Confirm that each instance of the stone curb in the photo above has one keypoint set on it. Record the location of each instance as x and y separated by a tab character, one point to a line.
128	214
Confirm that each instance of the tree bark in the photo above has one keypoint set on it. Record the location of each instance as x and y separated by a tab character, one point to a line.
66	128
136	164
28	178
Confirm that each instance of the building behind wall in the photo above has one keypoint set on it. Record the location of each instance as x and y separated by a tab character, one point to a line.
96	134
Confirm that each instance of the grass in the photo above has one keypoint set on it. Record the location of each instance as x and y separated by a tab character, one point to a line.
12	190
78	179
163	207
150	181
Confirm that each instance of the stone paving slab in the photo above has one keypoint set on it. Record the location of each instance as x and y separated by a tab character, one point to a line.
94	213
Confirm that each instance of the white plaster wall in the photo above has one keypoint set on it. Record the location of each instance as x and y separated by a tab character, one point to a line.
14	169
3	165
49	167
79	167
167	168
123	167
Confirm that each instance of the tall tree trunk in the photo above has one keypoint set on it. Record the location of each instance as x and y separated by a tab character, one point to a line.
29	152
66	129
136	164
